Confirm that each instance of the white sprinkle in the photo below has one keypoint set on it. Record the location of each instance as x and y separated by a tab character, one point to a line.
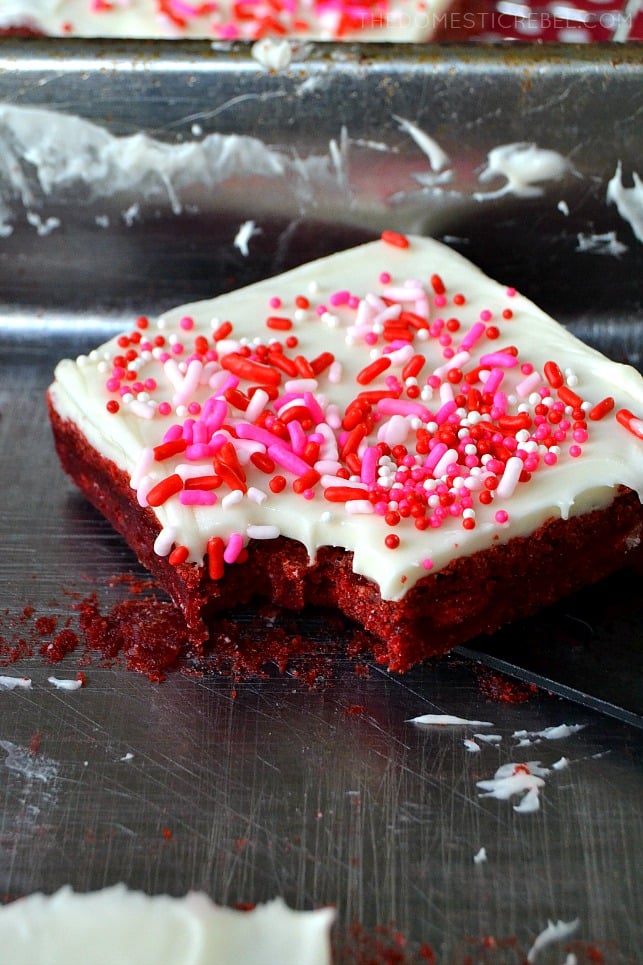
232	498
262	532
164	541
10	683
471	746
128	757
65	684
357	507
257	496
480	857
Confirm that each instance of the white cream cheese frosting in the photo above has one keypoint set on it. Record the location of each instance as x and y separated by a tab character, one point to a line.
116	926
367	20
390	399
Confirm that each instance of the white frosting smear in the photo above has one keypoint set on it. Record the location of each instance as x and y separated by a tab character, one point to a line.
525	167
554	932
370	415
628	201
448	720
120	927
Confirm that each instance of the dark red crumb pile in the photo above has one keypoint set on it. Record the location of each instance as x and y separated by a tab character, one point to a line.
383	945
148	634
501	689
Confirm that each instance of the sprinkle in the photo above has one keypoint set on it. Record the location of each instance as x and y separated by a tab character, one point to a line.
178	556
215	557
601	409
164	541
566	395
370	372
197	497
395	239
234	547
341	494
163	490
262	532
504	359
630	422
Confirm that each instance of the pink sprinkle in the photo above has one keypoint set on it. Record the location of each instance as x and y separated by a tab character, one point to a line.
275	302
370	338
445	411
528	385
164	408
112	385
439	301
173	433
580	435
475	332
178	348
339	298
504	359
435	455
385	278
493	381
502	516
197	497
427	563
187	323
510	292
485	315
297	436
194	408
403	407
370	459
234	547
287	459
575	451
550	458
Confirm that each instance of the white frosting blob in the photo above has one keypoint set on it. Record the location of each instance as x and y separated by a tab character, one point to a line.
120	927
628	201
525	167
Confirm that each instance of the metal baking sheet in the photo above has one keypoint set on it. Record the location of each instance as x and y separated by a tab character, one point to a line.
252	788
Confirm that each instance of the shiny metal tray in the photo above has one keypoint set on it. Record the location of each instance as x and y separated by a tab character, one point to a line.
253	788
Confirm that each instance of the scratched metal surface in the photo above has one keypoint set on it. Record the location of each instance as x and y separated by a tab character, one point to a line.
326	795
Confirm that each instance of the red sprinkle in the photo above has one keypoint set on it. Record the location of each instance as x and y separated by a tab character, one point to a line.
178	555
277	484
342	494
566	395
167	449
216	547
370	372
279	323
167	487
553	375
222	331
630	422
601	409
395	238
437	285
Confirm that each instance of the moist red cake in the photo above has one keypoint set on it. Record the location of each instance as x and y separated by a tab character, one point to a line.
385	432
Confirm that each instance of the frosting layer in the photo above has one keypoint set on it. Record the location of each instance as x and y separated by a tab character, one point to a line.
390	400
116	926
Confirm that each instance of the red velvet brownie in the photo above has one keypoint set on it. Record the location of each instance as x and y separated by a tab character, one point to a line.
385	431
